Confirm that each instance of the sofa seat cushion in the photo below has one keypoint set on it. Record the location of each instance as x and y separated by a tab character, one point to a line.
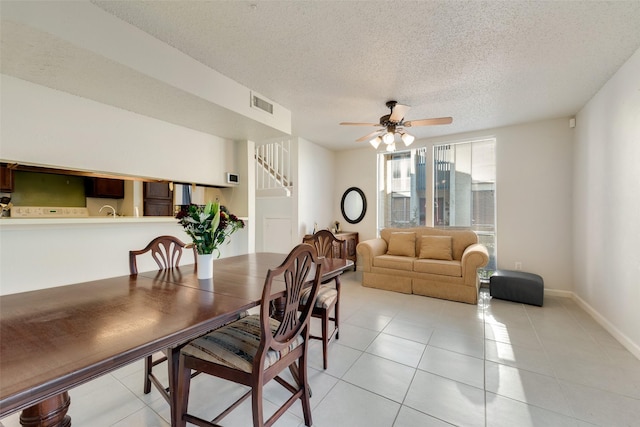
394	261
434	266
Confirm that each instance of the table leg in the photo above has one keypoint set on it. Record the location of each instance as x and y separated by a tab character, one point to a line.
51	412
173	360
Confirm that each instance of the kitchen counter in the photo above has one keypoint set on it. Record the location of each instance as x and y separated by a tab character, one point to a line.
8	221
86	220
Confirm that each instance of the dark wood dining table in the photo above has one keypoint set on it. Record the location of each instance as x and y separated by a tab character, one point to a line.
52	340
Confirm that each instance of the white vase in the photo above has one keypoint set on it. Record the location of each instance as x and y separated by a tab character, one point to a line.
205	266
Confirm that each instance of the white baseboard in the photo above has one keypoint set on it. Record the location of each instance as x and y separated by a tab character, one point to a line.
622	338
602	321
558	293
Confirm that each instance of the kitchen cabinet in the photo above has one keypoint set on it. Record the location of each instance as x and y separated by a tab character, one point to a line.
104	188
158	199
6	179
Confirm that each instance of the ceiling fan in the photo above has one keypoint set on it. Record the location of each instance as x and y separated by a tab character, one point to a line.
393	123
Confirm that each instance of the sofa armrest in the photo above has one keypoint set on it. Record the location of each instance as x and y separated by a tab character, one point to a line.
369	249
474	257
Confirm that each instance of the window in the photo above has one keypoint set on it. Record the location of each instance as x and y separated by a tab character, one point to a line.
456	189
464	190
402	194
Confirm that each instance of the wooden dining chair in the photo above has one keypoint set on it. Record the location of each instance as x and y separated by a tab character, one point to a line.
328	300
167	253
256	349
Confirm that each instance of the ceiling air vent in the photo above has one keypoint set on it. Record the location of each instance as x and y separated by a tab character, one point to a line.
258	102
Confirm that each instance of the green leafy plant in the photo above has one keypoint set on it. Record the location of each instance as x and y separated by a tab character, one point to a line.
208	226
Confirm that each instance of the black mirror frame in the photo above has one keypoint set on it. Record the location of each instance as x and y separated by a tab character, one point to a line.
364	205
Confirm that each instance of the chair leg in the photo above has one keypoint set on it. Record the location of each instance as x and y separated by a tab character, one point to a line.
306	393
148	365
336	310
181	398
325	336
256	402
336	317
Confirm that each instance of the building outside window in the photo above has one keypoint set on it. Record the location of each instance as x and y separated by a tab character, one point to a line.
464	191
455	189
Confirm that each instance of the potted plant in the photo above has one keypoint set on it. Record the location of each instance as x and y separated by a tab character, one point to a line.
209	226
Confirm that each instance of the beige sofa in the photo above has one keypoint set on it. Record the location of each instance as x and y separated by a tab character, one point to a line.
440	263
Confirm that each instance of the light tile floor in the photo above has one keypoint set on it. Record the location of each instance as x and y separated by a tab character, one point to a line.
410	361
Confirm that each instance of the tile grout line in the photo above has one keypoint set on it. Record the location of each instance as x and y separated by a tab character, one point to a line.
484	354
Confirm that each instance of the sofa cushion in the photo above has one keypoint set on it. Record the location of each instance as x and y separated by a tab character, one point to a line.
403	244
460	238
394	261
443	268
436	247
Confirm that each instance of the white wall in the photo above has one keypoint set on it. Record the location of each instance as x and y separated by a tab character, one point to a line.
315	186
533	187
42	256
99	34
607	205
534	167
37	256
49	127
357	168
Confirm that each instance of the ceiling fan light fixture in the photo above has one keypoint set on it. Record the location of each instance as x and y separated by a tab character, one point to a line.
391	147
375	142
407	138
388	138
393	123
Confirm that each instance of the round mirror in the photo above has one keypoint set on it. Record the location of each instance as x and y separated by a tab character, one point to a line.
353	205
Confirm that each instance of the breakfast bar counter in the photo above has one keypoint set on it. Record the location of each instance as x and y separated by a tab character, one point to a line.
42	253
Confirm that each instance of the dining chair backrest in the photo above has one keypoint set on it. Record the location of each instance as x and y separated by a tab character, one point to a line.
299	269
166	251
327	244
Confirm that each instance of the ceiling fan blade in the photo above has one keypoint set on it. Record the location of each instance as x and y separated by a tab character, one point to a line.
398	112
359	124
371	135
430	122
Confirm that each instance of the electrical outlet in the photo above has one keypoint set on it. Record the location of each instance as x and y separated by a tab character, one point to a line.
518	265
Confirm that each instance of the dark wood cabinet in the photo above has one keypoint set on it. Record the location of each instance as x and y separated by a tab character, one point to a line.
352	241
104	188
6	179
158	199
351	237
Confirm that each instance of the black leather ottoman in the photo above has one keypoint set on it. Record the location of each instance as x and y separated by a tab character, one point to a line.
517	286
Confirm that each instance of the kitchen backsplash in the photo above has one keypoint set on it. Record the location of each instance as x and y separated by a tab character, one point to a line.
45	189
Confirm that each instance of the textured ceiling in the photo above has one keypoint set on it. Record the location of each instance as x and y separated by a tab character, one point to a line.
486	64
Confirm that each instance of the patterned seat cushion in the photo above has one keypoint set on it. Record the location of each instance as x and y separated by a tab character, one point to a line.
326	296
235	345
